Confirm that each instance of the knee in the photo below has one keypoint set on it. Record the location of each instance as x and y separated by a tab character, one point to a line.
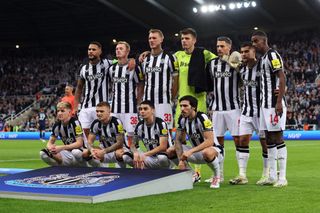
171	152
77	153
163	161
43	155
127	158
244	140
209	154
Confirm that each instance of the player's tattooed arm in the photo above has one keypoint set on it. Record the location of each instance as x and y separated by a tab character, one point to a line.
178	143
117	145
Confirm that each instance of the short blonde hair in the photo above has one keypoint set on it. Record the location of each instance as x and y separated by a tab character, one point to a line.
125	44
156	31
65	105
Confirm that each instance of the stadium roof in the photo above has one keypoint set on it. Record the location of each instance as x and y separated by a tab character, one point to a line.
45	21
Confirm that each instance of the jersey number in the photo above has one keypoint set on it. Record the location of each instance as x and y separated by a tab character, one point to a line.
167	117
133	120
274	121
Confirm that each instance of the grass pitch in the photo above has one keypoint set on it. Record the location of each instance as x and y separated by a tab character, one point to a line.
301	195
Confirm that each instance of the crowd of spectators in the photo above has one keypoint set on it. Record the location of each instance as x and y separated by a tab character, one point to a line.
24	77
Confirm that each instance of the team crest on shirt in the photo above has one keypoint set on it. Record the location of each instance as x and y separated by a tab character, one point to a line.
207	124
276	63
164	131
120	128
78	130
65	180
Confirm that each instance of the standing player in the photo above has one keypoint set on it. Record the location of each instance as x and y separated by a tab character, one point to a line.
93	76
158	68
127	89
191	62
68	96
70	132
273	108
154	134
42	118
111	137
225	99
249	119
205	148
192	78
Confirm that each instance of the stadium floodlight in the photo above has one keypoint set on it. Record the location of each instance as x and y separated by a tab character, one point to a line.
239	5
232	6
195	10
17	46
211	8
246	4
176	34
255	28
204	9
114	40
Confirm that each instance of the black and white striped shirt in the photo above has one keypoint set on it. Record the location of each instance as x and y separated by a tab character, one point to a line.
225	86
124	82
251	78
158	71
96	83
68	133
107	132
271	62
150	135
195	128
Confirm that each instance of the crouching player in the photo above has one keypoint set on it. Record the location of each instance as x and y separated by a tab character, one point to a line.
69	130
154	134
110	131
205	147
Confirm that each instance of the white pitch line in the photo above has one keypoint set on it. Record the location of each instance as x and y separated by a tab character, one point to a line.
288	145
19	160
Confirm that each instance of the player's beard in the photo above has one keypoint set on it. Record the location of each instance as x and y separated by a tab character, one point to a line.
93	58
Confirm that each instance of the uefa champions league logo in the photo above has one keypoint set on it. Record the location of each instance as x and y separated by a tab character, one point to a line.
93	179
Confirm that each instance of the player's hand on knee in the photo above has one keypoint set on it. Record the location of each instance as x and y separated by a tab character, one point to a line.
185	155
182	165
142	158
136	158
99	155
58	149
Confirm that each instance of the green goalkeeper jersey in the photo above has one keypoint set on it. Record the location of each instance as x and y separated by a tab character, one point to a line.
182	65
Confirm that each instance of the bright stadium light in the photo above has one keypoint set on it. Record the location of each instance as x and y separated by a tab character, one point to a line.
114	40
253	4
255	28
232	6
246	4
17	46
211	8
195	10
176	34
204	9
